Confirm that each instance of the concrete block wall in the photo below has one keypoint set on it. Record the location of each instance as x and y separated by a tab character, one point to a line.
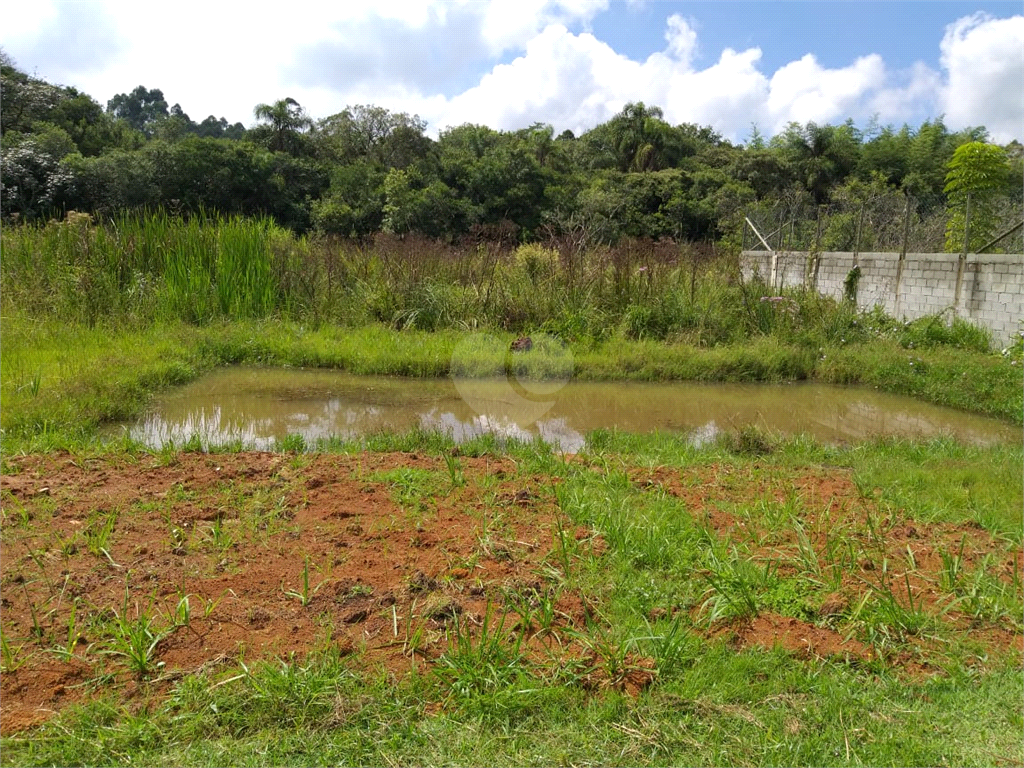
832	271
790	268
992	293
991	287
877	284
928	285
756	264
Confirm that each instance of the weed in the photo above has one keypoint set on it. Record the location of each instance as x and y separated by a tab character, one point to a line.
952	567
73	635
219	535
416	638
536	611
455	474
748	440
292	443
673	649
182	616
178	538
904	616
68	546
136	639
37	629
807	554
98	531
565	548
305	596
12	656
734	585
485	664
985	598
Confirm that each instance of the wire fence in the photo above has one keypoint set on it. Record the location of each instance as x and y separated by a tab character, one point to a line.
891	222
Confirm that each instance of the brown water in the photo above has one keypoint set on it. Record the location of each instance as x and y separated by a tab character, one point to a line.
261	405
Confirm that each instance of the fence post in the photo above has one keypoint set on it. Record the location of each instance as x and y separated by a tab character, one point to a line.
860	226
811	272
773	277
961	262
902	258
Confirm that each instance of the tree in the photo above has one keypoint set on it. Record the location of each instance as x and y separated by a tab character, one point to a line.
286	121
398	196
218	128
820	155
978	174
32	178
639	136
766	171
887	153
25	99
354	204
141	108
756	139
387	139
928	156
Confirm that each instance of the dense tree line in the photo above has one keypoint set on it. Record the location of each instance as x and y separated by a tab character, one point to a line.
367	169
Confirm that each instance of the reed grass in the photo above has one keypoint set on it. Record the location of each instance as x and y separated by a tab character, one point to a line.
150	267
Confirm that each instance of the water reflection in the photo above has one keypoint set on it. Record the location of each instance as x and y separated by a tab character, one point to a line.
260	406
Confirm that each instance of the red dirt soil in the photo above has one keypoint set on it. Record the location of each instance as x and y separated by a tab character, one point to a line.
234	533
378	554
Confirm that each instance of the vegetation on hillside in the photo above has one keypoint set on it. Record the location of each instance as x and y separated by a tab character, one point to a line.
367	169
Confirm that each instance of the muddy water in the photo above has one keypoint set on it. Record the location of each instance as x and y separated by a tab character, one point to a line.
261	405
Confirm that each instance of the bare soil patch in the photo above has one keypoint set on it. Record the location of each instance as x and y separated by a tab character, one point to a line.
253	555
272	554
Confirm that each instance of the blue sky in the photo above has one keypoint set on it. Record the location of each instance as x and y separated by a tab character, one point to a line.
570	63
836	31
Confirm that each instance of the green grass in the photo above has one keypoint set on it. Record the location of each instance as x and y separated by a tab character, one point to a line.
487	701
94	321
767	714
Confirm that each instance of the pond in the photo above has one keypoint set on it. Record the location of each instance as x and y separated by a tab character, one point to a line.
262	405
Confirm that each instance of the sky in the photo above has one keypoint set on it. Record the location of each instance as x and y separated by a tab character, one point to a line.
573	64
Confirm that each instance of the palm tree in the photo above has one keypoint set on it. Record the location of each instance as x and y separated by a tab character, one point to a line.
639	137
286	119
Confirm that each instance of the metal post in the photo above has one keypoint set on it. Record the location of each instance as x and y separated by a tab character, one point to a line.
860	226
902	258
961	262
967	226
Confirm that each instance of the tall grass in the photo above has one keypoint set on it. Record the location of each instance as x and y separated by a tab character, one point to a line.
143	268
140	268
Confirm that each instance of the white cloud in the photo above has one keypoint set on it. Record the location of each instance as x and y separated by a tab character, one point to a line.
984	59
425	56
728	95
917	95
510	23
804	91
682	39
576	81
